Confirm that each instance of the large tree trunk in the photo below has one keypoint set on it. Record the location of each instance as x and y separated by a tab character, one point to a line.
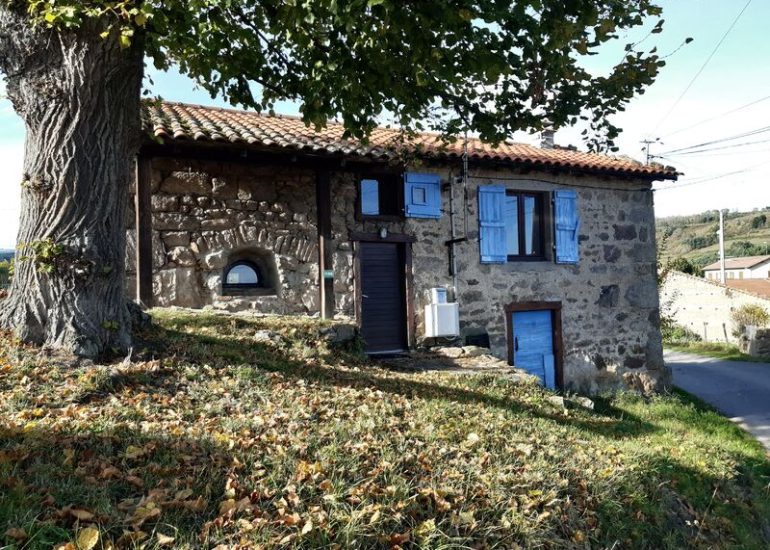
79	97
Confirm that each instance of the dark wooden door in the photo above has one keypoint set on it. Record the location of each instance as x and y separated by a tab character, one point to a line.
383	300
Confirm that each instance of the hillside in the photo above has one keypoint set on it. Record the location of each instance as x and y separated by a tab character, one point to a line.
251	432
6	254
694	237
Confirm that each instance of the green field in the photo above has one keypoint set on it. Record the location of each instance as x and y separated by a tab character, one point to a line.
694	237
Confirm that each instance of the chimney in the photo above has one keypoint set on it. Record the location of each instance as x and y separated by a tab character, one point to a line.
546	138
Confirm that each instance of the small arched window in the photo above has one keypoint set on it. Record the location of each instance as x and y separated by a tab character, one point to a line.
242	274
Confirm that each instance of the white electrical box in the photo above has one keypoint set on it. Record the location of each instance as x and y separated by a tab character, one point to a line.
442	320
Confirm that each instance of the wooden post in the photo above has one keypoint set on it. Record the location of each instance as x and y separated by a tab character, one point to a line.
143	232
325	261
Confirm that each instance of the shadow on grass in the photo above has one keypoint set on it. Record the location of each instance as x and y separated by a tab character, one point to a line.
661	504
658	503
224	351
54	483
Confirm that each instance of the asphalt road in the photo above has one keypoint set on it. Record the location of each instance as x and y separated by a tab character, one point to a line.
738	389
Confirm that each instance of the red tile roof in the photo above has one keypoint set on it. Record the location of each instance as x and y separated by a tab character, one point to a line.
179	122
744	262
758	287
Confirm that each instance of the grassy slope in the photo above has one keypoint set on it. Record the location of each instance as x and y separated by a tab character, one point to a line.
226	441
737	228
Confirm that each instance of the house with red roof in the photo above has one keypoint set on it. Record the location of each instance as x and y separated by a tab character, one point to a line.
544	255
747	267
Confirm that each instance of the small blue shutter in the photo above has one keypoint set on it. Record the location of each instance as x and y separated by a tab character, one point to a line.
422	195
567	224
492	240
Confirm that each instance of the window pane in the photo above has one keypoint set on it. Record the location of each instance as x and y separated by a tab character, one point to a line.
242	275
531	226
370	197
512	224
389	197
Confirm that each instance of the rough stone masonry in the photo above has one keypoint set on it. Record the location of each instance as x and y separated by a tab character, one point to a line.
205	214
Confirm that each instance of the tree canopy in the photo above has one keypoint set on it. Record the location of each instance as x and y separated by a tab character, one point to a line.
489	66
74	72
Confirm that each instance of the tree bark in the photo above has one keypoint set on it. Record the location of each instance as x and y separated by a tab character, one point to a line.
78	94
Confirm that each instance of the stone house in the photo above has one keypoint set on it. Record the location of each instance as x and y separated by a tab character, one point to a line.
544	255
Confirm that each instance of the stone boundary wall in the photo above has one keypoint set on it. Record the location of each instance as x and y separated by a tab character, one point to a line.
704	306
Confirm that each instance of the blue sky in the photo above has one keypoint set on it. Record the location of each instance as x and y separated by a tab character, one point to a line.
736	75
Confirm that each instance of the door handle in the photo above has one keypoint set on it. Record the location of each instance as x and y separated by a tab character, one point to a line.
515	343
364	296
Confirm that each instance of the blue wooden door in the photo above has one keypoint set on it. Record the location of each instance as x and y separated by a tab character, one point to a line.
533	345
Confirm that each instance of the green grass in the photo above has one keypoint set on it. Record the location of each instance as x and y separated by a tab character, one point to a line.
216	439
738	227
718	350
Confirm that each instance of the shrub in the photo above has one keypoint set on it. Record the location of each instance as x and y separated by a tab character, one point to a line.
685	266
673	333
6	270
749	315
745	248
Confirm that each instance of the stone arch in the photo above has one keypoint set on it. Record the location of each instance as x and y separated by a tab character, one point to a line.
263	261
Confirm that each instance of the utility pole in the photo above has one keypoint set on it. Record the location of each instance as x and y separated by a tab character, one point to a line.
722	246
647	143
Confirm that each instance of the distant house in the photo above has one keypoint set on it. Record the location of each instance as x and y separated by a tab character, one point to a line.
747	267
545	255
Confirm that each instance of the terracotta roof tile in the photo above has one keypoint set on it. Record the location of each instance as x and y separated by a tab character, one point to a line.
183	122
738	263
758	287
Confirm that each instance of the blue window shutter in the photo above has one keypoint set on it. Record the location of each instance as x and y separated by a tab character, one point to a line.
567	224
422	195
492	238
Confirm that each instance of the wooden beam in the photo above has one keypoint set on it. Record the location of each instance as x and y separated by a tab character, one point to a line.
279	157
143	232
325	259
375	237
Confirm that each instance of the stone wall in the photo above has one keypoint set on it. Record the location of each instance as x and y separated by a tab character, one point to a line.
610	314
759	343
704	306
204	212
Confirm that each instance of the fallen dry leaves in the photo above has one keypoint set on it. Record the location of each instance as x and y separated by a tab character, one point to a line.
222	442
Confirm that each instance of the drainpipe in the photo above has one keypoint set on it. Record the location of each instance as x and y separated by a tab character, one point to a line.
453	238
452	234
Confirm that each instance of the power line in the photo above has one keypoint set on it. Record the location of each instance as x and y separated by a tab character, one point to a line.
678	159
747	105
705	63
705	179
748	133
722	148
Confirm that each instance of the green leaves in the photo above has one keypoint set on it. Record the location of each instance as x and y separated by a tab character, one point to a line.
45	253
488	67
